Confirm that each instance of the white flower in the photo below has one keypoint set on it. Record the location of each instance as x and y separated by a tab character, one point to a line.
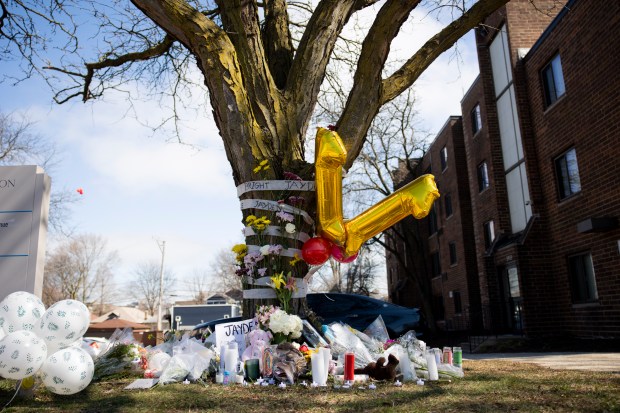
264	250
281	322
290	228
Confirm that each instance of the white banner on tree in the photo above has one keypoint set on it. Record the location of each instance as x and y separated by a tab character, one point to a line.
307	186
301	289
277	231
274	206
287	252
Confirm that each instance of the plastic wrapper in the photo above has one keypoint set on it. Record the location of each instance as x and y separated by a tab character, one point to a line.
123	355
342	339
377	330
415	349
192	355
374	346
177	369
448	371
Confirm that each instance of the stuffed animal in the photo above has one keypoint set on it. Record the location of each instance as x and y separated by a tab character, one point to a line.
379	370
258	340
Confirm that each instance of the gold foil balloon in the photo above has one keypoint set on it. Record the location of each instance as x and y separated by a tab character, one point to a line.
330	156
415	198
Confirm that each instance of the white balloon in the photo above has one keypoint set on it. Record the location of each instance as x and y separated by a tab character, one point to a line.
159	361
20	311
67	371
22	354
63	323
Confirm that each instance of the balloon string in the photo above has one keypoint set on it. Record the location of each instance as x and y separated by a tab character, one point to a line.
13	398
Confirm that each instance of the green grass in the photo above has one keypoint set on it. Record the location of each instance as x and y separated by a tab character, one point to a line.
488	386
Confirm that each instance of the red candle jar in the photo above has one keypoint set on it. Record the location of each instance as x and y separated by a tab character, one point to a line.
349	366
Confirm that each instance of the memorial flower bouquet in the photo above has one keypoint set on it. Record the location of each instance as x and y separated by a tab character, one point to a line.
283	326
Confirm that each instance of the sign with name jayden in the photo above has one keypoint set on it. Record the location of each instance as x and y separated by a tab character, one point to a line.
235	331
24	206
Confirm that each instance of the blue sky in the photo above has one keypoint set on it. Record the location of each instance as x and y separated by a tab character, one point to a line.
138	188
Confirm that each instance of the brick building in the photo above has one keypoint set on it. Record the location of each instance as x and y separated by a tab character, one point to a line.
537	148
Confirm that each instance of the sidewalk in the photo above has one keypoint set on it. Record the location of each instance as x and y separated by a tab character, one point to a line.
608	362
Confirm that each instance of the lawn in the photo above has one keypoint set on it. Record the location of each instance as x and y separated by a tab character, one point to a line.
488	386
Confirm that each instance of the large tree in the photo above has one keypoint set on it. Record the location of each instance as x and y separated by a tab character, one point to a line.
263	81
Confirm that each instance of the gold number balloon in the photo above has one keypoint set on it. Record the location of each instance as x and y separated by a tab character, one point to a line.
330	156
415	198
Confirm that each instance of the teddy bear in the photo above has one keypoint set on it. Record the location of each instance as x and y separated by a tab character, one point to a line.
379	370
259	339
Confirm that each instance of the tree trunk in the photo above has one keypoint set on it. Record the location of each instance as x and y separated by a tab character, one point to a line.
282	203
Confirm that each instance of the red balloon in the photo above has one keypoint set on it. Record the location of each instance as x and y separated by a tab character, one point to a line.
339	255
316	251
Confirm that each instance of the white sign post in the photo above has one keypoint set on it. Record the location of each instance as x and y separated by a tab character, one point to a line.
24	207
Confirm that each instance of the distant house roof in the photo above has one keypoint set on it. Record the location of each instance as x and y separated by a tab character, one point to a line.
125	313
114	323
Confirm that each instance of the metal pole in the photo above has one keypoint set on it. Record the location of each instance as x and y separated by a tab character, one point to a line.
162	247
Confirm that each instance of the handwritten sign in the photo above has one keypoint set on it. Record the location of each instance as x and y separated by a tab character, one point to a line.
274	206
307	186
235	331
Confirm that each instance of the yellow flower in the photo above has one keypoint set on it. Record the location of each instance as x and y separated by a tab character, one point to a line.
278	281
262	166
259	224
240	249
295	259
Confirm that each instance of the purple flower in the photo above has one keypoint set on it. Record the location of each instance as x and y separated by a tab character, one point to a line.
289	176
275	249
251	259
285	216
296	200
262	271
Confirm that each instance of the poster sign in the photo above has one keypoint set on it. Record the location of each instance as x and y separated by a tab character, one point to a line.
235	331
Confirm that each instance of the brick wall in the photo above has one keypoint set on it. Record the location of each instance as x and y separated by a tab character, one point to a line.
585	118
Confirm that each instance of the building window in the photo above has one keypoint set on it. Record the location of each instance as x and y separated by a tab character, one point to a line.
489	233
582	280
567	174
443	156
476	120
553	80
452	246
436	263
483	177
458	307
448	204
432	222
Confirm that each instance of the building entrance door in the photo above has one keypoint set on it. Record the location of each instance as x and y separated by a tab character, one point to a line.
512	302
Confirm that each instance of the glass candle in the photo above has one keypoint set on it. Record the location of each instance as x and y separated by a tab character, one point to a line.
252	369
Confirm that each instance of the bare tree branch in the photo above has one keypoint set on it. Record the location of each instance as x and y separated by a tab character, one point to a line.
435	46
91	68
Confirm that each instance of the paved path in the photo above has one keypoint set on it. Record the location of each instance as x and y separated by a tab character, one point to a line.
609	362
